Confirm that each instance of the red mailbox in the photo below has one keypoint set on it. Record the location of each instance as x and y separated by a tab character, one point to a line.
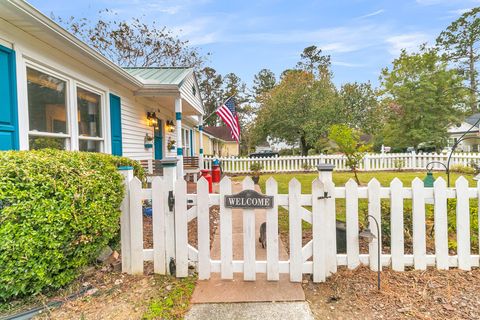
208	177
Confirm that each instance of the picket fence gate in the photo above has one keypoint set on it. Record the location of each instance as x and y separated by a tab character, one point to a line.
371	162
319	256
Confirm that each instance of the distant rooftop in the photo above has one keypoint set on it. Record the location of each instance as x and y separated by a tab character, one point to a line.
160	75
222	133
473	119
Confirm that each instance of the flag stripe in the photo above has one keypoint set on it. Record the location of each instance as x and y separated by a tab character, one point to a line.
227	113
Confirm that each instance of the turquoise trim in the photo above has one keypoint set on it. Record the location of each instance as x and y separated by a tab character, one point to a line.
191	143
125	168
179	152
9	136
201	150
178	116
169	164
116	124
200	128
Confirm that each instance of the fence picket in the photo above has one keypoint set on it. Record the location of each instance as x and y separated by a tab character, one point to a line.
249	237
418	217
272	231
159	198
136	226
181	228
351	207
226	250
295	230
396	225
374	210
441	223
318	231
203	225
463	224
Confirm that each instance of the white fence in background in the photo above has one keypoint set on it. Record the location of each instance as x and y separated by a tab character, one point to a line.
371	162
319	256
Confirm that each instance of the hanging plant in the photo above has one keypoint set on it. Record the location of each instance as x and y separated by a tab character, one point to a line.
171	144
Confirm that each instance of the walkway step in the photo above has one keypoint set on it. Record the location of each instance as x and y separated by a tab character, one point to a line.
251	311
217	290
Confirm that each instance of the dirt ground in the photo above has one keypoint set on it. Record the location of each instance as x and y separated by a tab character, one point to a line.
114	295
431	294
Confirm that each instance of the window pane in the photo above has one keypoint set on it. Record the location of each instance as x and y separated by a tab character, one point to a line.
90	146
89	120
46	102
46	143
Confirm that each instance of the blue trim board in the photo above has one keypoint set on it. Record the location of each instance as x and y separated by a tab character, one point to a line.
179	151
125	168
178	115
9	137
201	150
200	128
116	125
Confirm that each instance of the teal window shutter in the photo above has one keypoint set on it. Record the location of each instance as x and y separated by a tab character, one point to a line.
8	101
116	124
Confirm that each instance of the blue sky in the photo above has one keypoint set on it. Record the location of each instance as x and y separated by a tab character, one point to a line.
362	36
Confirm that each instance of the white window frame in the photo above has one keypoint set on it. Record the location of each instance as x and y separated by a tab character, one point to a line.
102	115
68	135
72	137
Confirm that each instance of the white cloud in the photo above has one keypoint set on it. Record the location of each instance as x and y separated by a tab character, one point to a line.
375	13
347	64
408	41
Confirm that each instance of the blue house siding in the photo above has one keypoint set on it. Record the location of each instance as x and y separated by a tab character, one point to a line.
8	101
116	124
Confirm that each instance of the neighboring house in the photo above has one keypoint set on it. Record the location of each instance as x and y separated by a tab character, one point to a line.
472	143
222	143
56	91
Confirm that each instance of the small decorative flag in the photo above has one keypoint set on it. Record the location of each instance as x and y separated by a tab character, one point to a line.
228	114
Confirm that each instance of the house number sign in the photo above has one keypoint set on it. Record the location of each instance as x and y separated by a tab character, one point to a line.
249	199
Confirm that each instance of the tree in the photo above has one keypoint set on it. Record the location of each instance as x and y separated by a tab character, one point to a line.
312	60
297	111
359	107
263	82
423	98
460	42
210	84
133	43
348	142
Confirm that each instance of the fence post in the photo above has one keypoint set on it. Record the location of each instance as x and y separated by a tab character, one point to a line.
127	173
169	177
366	162
325	175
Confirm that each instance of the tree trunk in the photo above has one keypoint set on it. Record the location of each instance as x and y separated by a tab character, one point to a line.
303	146
473	80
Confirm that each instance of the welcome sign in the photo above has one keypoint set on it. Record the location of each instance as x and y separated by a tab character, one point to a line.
249	199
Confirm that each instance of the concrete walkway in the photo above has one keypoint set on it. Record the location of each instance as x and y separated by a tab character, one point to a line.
239	299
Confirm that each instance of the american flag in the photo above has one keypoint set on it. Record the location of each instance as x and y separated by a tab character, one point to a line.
228	114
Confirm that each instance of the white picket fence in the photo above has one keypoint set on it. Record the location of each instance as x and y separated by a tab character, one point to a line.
371	162
319	256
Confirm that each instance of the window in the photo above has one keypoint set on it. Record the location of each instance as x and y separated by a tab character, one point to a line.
89	121
47	109
186	142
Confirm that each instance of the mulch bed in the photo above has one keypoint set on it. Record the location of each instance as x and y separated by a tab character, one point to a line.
430	294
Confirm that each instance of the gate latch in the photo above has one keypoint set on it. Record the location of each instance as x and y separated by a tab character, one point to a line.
325	196
171	200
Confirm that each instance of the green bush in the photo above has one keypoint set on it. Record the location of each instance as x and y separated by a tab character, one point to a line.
460	168
57	210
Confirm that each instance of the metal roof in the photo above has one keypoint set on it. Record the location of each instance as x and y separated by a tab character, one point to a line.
473	119
160	75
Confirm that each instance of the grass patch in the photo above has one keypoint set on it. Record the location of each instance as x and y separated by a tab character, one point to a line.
175	300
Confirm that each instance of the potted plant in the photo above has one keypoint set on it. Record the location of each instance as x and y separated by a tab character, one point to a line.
148	141
255	168
171	144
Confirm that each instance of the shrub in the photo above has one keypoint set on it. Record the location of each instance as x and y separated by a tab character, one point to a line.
255	168
460	168
57	210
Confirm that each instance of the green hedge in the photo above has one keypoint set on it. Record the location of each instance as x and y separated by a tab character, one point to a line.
57	210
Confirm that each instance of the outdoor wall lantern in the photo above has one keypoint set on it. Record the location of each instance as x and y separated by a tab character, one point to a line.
152	120
369	236
170	126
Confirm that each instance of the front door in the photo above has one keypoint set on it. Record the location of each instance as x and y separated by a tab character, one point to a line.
8	100
158	141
